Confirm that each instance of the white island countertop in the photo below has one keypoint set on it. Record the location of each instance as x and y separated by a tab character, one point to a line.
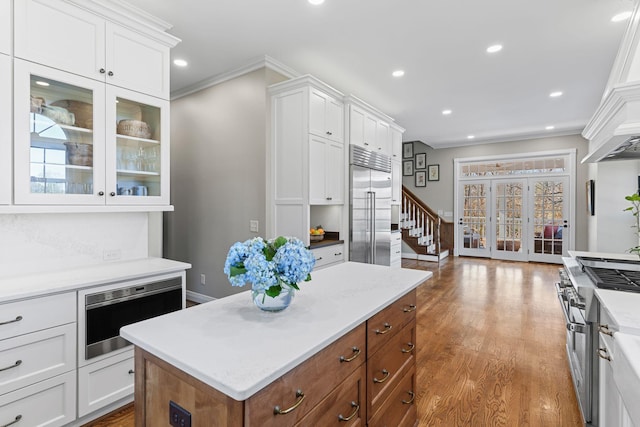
232	346
623	307
51	282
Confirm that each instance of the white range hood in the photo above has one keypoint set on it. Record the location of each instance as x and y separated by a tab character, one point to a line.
614	130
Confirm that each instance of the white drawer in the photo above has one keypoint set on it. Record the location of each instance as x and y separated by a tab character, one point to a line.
104	382
328	255
34	357
48	403
396	239
23	317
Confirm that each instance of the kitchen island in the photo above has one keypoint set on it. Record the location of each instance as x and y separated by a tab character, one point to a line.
349	335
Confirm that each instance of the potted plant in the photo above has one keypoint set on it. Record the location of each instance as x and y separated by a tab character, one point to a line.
634	199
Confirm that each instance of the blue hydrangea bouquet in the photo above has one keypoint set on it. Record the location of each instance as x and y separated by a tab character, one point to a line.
269	265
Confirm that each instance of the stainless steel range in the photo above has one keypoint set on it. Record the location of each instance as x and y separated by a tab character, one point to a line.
578	280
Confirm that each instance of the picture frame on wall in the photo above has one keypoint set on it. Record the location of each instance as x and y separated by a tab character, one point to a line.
407	150
591	194
421	178
434	173
407	168
421	161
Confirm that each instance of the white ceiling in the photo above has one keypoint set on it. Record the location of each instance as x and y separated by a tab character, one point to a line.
354	45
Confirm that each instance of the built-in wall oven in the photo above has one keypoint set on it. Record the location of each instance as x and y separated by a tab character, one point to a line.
104	310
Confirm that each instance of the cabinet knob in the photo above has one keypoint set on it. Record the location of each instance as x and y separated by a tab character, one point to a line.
100	193
366	143
110	73
102	71
329	198
112	194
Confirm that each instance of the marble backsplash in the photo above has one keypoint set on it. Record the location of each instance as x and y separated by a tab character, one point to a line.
34	243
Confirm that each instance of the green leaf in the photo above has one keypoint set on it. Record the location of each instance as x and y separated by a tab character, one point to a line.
237	270
308	279
273	291
280	241
269	252
628	209
294	286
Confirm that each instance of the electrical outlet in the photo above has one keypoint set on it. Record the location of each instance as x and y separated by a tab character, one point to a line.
111	254
178	416
253	225
203	279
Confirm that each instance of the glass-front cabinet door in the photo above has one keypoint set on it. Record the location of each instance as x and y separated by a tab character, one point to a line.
137	155
5	129
59	158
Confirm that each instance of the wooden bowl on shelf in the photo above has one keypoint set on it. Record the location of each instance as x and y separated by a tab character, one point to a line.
135	128
83	111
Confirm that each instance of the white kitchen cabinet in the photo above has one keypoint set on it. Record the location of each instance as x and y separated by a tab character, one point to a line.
356	126
383	138
6	30
326	172
396	182
613	411
69	149
370	129
105	382
5	127
326	116
396	143
396	250
307	165
74	39
50	403
328	255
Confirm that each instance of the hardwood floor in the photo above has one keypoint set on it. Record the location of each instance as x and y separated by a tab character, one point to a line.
491	347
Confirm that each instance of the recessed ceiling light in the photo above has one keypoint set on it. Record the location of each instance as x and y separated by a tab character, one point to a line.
550	127
180	62
446	112
494	48
470	136
621	16
41	83
316	2
398	73
555	94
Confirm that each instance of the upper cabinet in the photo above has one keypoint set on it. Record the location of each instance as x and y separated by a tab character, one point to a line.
79	142
5	129
61	35
326	116
396	142
368	128
5	27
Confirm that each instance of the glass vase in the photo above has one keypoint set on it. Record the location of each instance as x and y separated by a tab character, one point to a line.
278	303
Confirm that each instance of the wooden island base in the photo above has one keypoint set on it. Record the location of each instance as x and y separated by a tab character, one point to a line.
365	377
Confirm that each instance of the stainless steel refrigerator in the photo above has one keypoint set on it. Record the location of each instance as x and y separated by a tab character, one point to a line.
370	207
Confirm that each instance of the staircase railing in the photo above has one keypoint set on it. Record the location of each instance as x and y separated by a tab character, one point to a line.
425	225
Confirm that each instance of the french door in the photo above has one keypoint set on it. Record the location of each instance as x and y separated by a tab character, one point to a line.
524	219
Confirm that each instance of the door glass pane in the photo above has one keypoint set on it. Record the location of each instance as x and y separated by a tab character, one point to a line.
509	197
61	127
474	216
137	149
548	217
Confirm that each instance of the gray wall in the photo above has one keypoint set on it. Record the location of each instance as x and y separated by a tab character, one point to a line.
439	194
218	169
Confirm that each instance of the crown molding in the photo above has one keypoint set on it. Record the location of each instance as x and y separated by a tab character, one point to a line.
256	64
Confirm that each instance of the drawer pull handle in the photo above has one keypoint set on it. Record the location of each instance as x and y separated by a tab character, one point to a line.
410	401
383	379
338	254
17	419
299	396
411	347
412	307
387	328
131	372
355	407
602	352
17	319
604	329
15	365
356	353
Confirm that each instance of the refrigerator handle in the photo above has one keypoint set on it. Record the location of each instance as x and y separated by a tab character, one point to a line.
373	228
369	225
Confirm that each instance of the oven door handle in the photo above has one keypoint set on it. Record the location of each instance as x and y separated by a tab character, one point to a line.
571	326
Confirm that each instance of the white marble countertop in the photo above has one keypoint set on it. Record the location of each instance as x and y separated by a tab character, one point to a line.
237	349
33	285
623	307
608	255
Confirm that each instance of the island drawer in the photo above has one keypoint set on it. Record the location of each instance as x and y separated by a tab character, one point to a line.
387	366
384	325
400	408
34	357
308	384
344	407
23	317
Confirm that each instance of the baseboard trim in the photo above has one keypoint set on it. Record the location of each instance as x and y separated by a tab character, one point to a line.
199	298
